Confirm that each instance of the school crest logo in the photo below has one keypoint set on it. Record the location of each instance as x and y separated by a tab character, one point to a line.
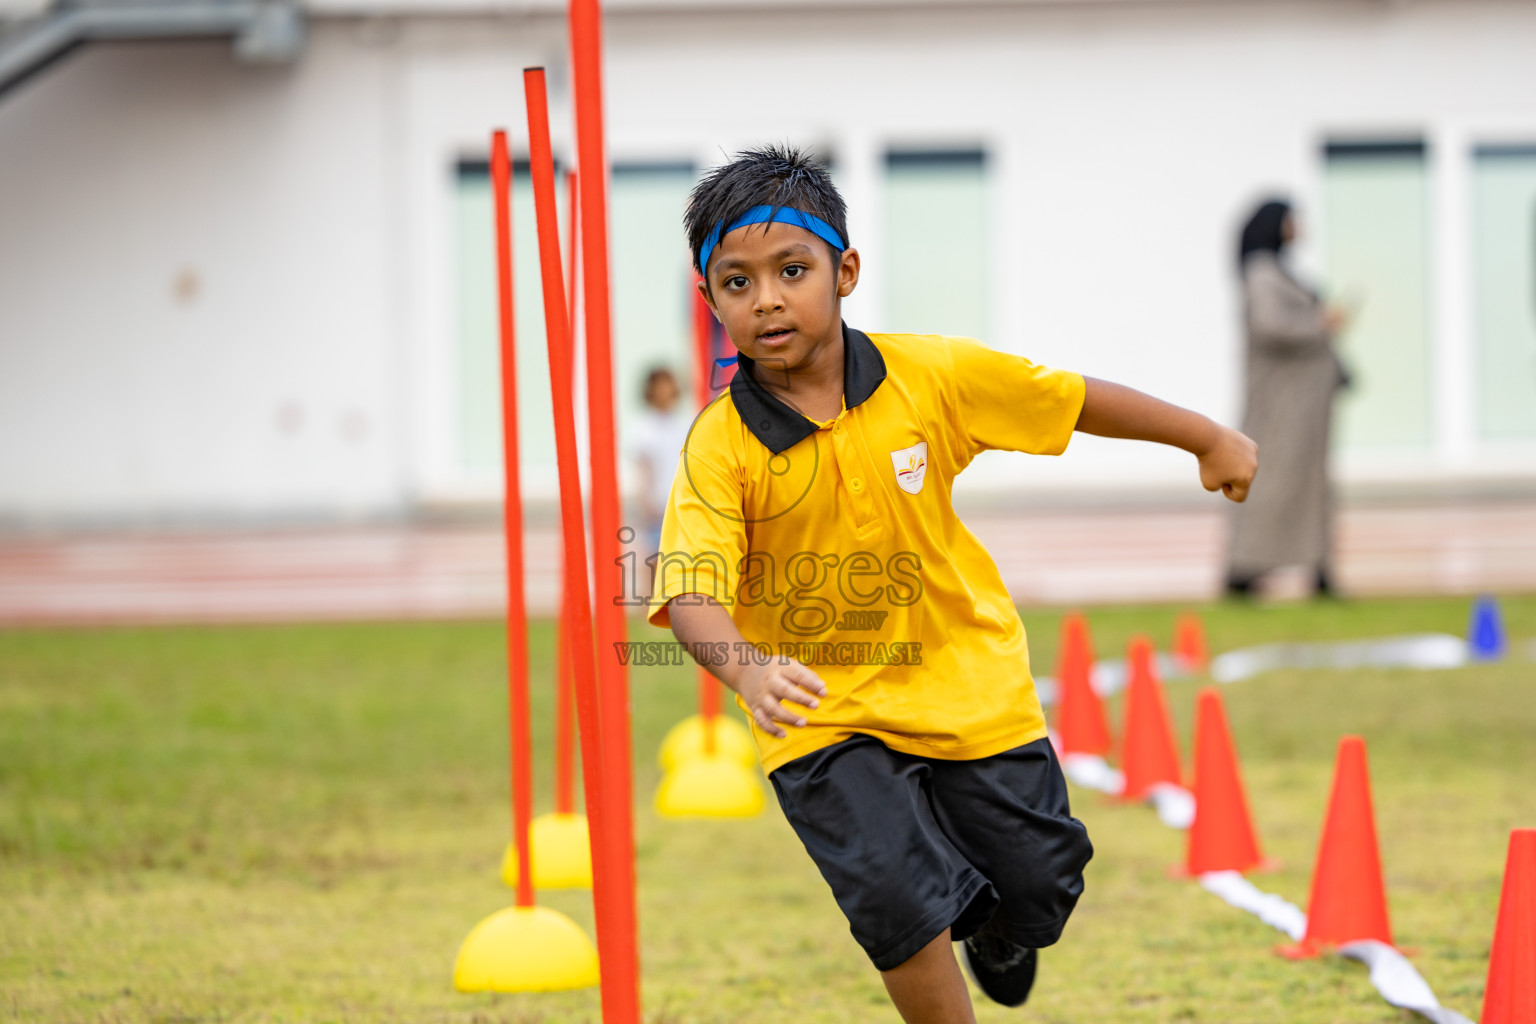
911	467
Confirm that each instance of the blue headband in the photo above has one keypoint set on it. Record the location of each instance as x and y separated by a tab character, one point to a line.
766	214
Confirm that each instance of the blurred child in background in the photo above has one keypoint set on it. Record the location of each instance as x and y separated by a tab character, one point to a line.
655	441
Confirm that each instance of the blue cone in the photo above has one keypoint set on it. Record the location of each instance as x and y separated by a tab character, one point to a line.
1485	633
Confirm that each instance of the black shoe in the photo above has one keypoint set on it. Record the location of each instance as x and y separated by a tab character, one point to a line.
1325	586
1004	970
1240	587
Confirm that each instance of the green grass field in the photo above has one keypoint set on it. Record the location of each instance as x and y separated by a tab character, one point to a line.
302	823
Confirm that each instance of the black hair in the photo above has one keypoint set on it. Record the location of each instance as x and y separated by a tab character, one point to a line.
1265	230
655	376
776	175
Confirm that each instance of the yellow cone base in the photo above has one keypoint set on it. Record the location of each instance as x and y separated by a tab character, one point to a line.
710	787
562	853
685	742
525	949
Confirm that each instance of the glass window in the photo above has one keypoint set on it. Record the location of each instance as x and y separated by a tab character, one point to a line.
478	382
1376	204
652	281
1504	262
651	286
935	229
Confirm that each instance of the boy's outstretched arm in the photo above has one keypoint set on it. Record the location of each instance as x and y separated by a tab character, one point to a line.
700	623
1228	458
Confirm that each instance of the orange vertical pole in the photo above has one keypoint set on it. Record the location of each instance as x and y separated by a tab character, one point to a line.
565	719
512	526
572	227
612	845
573	527
623	967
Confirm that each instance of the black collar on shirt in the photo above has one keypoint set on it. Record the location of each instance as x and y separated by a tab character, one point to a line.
778	426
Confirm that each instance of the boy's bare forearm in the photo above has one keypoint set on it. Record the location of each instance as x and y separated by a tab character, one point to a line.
1113	410
701	620
769	692
1228	459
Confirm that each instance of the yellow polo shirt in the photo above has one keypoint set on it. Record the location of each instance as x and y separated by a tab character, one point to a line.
836	542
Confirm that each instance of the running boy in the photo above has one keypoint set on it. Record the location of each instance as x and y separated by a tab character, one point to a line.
810	524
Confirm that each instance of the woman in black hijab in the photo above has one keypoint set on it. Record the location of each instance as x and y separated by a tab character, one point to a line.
1266	230
1292	377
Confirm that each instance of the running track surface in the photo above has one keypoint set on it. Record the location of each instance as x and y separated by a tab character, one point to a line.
1050	557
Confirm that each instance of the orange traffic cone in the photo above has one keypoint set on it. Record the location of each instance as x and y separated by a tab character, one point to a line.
1510	997
1080	721
1189	643
1150	752
1348	901
1221	838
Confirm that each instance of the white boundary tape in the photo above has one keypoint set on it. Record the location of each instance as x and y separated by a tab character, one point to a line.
1275	911
1109	677
1175	805
1398	981
1092	772
1420	650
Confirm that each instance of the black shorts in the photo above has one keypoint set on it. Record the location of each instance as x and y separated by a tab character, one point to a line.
913	845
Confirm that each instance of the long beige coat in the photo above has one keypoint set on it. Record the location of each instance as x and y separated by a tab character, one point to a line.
1292	374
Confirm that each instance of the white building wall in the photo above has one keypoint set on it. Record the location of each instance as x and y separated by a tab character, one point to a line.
198	317
227	291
